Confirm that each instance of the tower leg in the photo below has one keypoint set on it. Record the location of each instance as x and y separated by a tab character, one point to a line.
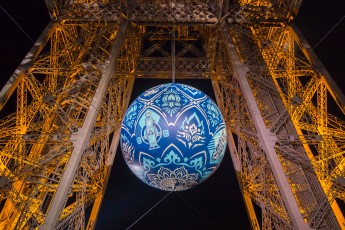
234	157
112	152
81	140
266	138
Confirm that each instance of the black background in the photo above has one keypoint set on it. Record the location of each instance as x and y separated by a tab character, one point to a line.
215	204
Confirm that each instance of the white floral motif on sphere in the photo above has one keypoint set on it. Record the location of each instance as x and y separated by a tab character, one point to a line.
176	180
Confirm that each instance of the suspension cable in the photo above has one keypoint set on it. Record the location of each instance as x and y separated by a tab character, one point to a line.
148	210
16	24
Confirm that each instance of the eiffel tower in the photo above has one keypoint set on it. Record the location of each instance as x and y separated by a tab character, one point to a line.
58	144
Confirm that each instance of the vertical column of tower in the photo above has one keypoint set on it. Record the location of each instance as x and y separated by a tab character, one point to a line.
80	142
220	98
14	130
289	124
339	98
312	119
307	137
109	164
266	138
69	93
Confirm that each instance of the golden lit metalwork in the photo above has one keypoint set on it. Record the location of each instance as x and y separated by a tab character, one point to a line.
58	142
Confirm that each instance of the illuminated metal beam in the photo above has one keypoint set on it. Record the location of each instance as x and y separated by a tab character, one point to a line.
81	138
28	60
267	139
327	79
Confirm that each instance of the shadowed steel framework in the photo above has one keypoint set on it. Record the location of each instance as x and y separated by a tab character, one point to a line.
58	143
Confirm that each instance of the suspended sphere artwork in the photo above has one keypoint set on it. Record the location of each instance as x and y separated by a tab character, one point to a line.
173	137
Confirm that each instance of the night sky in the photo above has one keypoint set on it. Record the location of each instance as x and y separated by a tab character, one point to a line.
216	203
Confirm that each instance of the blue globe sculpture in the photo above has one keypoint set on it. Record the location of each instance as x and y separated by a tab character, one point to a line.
173	137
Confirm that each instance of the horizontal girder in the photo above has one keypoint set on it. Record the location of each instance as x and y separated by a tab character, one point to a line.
153	12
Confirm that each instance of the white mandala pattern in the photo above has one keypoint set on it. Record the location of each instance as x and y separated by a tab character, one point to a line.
176	180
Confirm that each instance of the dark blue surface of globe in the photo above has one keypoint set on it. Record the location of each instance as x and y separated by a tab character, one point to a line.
173	137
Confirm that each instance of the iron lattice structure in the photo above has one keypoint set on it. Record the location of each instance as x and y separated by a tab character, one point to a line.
71	90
